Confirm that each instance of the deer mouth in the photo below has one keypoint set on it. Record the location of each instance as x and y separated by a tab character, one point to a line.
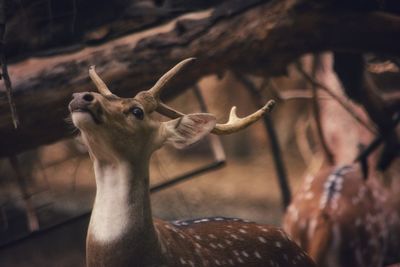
95	118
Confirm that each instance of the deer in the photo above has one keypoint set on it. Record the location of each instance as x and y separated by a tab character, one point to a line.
343	214
121	136
341	219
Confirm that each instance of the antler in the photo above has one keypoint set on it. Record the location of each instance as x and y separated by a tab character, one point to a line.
101	86
151	101
151	97
236	124
160	84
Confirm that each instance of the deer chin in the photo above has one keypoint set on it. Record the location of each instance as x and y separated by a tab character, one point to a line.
84	118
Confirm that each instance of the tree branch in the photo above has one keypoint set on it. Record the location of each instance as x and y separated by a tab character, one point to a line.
338	99
274	145
248	36
3	63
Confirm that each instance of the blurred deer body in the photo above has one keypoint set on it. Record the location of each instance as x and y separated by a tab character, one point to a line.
343	215
392	208
121	138
341	219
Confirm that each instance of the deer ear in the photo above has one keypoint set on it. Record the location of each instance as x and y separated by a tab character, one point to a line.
188	129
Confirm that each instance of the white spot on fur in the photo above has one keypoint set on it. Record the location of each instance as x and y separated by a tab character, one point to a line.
309	195
262	239
294	212
308	181
311	229
333	187
234	236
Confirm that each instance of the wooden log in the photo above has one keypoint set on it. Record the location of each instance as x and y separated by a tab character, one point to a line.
43	28
251	37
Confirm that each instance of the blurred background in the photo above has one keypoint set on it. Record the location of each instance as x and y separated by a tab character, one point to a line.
331	66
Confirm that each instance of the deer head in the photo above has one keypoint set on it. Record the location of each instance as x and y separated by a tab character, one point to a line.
121	136
115	127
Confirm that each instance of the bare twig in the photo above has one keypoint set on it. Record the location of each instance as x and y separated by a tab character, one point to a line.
3	63
293	94
296	94
364	154
351	112
276	151
4	219
33	220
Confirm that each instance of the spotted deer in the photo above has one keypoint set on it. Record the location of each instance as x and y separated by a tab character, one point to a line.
342	219
121	136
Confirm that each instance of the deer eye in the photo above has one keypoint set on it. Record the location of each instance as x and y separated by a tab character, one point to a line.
138	113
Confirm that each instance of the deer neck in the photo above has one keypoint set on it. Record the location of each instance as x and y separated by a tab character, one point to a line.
121	218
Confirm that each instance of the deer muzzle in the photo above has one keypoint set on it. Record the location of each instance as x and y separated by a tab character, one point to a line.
84	102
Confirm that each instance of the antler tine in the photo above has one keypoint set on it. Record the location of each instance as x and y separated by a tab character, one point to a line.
160	84
235	123
101	86
168	111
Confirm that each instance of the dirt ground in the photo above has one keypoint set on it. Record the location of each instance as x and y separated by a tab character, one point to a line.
245	188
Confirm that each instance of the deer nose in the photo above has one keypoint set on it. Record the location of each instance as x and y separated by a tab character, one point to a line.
88	97
81	101
85	97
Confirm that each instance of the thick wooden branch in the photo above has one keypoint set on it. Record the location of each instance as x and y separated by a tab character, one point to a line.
257	37
43	28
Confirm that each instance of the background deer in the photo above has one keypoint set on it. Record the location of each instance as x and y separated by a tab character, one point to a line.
341	219
121	137
343	215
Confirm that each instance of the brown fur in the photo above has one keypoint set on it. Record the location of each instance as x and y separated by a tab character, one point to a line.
122	232
351	230
322	238
228	242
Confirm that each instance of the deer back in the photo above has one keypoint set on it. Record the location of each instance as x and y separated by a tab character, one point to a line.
339	218
227	242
